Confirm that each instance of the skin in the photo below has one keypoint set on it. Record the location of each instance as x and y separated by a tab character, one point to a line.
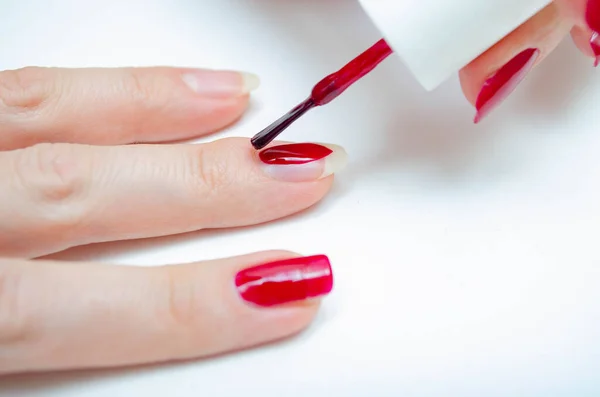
544	31
69	176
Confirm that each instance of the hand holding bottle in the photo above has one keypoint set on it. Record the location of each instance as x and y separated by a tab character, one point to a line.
489	79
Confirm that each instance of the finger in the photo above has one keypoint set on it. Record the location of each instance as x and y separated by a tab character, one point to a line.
119	316
117	106
587	42
586	16
57	196
492	77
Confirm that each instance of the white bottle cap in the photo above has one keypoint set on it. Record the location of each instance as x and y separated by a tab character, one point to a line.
436	38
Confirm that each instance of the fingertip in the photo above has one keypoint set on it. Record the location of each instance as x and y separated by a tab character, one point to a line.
303	314
587	42
470	83
250	82
292	282
302	162
219	98
304	188
274	294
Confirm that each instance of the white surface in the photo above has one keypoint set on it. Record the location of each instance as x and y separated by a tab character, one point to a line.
435	38
466	258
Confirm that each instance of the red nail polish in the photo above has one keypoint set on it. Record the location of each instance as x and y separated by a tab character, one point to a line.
504	82
295	153
595	44
592	15
286	281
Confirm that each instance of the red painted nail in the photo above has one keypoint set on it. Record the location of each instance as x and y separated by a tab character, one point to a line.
595	44
286	281
592	15
295	153
504	82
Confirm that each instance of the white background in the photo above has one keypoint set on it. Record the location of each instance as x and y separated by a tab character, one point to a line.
466	258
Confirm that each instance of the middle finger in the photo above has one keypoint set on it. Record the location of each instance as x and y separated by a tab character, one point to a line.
55	196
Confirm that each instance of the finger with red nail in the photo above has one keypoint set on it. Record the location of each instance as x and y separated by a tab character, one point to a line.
493	76
116	316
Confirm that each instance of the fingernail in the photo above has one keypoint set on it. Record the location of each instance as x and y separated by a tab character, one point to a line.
595	44
592	15
286	281
223	84
302	162
498	87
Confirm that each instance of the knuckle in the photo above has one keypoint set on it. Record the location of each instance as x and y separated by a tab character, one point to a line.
212	174
200	323
142	90
25	89
184	311
53	177
140	86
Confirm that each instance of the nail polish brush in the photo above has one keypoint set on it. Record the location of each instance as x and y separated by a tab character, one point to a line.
434	39
326	91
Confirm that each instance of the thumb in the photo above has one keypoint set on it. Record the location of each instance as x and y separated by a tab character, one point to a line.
119	316
586	16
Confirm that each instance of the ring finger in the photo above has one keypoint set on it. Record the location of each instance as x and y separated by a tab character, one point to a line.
114	316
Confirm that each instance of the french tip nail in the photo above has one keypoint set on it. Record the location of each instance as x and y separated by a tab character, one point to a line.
219	83
250	82
336	161
303	162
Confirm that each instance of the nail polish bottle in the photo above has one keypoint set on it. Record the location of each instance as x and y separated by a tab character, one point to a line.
437	38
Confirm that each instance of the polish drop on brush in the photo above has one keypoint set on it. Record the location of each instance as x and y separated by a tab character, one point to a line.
326	91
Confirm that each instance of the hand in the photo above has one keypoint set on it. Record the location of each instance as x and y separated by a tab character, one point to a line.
485	87
62	184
